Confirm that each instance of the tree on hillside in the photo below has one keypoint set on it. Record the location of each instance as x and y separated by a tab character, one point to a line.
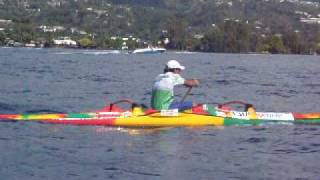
236	37
230	37
2	38
177	34
243	37
22	32
274	45
317	44
294	42
213	41
87	42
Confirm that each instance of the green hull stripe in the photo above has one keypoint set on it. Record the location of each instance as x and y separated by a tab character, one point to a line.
80	116
239	122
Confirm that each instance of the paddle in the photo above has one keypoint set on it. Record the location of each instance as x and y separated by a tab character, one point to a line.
185	95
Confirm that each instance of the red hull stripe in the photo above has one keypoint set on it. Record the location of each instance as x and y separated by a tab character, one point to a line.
8	116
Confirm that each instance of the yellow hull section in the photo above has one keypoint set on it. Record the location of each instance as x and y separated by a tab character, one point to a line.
156	120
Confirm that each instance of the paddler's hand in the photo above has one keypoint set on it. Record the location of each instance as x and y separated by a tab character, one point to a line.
196	82
192	82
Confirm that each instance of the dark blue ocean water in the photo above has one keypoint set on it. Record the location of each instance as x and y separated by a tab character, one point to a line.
66	80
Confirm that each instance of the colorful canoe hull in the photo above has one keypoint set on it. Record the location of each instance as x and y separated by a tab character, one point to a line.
153	120
202	115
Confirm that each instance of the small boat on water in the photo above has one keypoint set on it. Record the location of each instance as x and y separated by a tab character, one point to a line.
149	50
136	116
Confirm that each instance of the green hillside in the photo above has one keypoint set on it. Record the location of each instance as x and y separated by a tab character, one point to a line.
276	26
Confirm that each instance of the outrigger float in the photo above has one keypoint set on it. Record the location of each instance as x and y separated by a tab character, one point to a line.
201	115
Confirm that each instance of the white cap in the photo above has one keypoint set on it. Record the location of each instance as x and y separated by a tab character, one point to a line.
174	64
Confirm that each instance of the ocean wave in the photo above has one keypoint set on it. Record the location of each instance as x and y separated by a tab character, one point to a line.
104	52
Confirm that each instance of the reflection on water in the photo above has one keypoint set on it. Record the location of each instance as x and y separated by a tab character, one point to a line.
132	131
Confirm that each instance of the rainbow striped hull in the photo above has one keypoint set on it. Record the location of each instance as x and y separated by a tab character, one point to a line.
157	119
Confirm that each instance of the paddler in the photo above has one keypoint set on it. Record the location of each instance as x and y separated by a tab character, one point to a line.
162	90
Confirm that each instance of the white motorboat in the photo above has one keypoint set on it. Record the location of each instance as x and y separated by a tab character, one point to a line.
149	50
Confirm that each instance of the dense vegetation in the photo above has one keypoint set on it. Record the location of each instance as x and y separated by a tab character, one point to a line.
198	25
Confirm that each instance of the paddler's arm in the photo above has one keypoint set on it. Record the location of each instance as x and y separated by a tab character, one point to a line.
192	82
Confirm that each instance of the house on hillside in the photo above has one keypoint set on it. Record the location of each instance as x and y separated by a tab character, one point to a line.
64	41
310	20
45	28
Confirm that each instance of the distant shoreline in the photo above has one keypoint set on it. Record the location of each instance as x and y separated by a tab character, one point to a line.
170	50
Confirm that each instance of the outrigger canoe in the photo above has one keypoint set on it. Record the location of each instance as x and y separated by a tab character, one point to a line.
201	115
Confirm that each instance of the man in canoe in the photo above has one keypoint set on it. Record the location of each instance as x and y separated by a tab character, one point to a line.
162	90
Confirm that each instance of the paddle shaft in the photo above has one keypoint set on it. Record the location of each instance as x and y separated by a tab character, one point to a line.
185	95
